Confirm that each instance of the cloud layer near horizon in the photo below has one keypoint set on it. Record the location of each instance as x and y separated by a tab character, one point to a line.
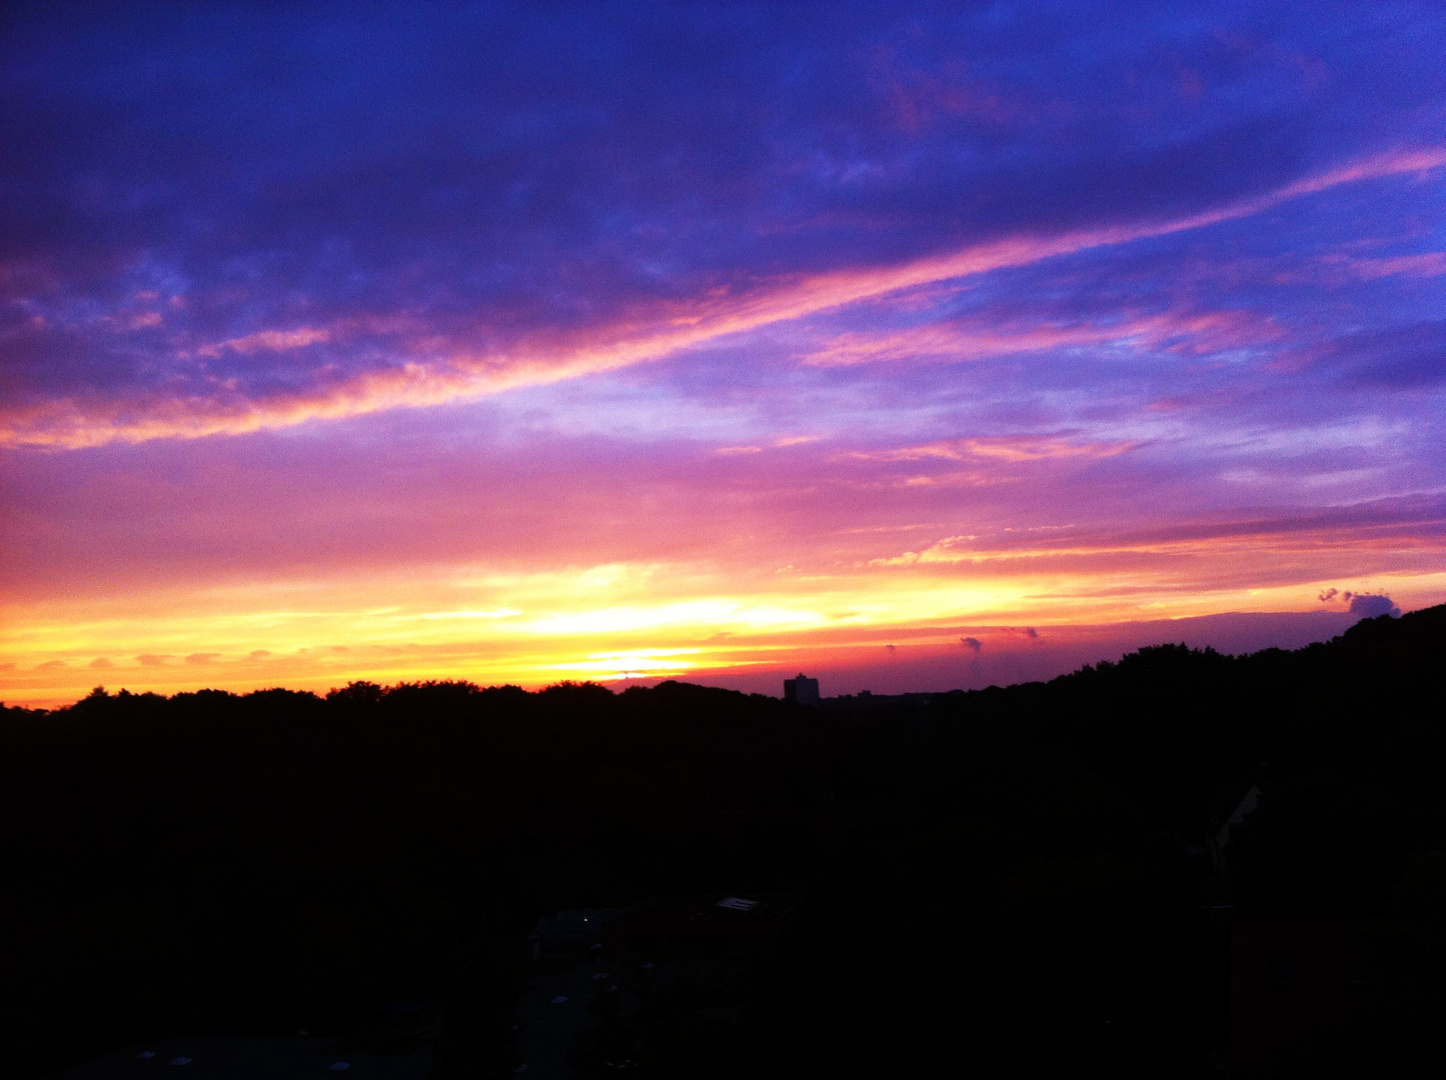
782	320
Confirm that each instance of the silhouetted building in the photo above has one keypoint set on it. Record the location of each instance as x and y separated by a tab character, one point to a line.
691	928
801	691
1296	989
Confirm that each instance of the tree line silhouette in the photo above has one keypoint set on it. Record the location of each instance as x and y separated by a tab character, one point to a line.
1019	879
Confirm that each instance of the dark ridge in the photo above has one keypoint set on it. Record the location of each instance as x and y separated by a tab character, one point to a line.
1024	881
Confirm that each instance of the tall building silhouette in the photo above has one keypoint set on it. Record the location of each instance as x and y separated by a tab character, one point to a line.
801	691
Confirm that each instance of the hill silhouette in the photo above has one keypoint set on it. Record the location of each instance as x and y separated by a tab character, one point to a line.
1019	878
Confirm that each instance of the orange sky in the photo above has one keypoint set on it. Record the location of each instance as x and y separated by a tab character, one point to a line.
537	364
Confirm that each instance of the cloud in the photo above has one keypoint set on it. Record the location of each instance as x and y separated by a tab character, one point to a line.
153	659
979	338
1422	265
271	340
973	644
1403	357
1294	535
1010	448
100	663
202	657
1370	605
439	369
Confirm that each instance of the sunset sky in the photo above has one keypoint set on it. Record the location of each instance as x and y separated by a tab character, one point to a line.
917	346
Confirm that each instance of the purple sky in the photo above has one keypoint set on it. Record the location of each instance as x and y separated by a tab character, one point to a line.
546	341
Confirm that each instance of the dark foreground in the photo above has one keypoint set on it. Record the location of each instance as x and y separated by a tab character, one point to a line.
1006	882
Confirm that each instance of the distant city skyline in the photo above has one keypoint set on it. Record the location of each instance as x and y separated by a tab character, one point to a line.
915	346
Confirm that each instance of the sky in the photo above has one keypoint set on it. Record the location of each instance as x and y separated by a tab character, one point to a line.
915	346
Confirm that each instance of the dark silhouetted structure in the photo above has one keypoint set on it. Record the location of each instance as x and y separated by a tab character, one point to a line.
801	691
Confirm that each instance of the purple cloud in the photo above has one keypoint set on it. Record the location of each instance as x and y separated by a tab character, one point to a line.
235	210
1370	605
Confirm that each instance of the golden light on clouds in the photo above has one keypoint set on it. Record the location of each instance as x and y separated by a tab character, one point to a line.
608	622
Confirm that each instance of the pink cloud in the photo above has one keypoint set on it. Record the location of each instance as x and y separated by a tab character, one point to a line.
919	98
1429	264
1187	332
1014	448
268	340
